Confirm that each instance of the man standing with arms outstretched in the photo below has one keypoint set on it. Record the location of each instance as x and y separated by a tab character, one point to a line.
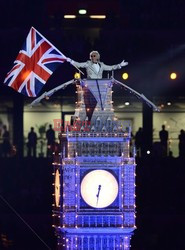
94	67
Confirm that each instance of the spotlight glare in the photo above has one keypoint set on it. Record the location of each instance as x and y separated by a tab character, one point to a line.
127	103
169	103
77	76
125	76
69	16
82	11
173	76
148	152
98	16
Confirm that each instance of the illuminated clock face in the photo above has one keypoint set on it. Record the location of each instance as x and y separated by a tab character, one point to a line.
57	188
99	188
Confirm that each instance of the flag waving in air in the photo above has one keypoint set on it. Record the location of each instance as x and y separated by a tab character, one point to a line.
34	64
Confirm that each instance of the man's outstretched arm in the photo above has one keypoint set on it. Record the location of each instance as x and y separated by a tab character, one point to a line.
116	66
77	64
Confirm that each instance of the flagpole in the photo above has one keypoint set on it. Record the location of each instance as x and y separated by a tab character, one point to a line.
56	48
78	69
151	104
51	92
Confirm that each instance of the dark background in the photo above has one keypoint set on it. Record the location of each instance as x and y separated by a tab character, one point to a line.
150	35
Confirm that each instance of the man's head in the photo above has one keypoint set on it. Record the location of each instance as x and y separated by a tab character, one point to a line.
94	56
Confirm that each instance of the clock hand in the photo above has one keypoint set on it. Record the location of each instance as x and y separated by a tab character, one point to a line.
99	188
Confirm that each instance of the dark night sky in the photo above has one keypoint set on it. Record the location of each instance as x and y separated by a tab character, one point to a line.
146	33
150	35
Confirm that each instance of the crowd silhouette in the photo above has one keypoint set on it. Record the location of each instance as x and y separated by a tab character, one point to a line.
182	143
50	136
163	135
35	144
32	143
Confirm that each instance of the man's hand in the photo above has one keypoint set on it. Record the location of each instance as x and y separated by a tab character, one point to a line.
68	59
123	63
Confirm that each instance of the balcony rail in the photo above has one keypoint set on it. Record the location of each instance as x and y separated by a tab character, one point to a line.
99	221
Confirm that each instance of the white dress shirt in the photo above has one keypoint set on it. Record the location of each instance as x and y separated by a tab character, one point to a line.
96	67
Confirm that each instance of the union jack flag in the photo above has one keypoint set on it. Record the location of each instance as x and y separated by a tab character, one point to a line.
34	64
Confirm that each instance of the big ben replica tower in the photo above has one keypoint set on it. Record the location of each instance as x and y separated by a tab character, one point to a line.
94	175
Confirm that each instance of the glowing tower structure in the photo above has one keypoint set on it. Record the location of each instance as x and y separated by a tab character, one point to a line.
94	175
